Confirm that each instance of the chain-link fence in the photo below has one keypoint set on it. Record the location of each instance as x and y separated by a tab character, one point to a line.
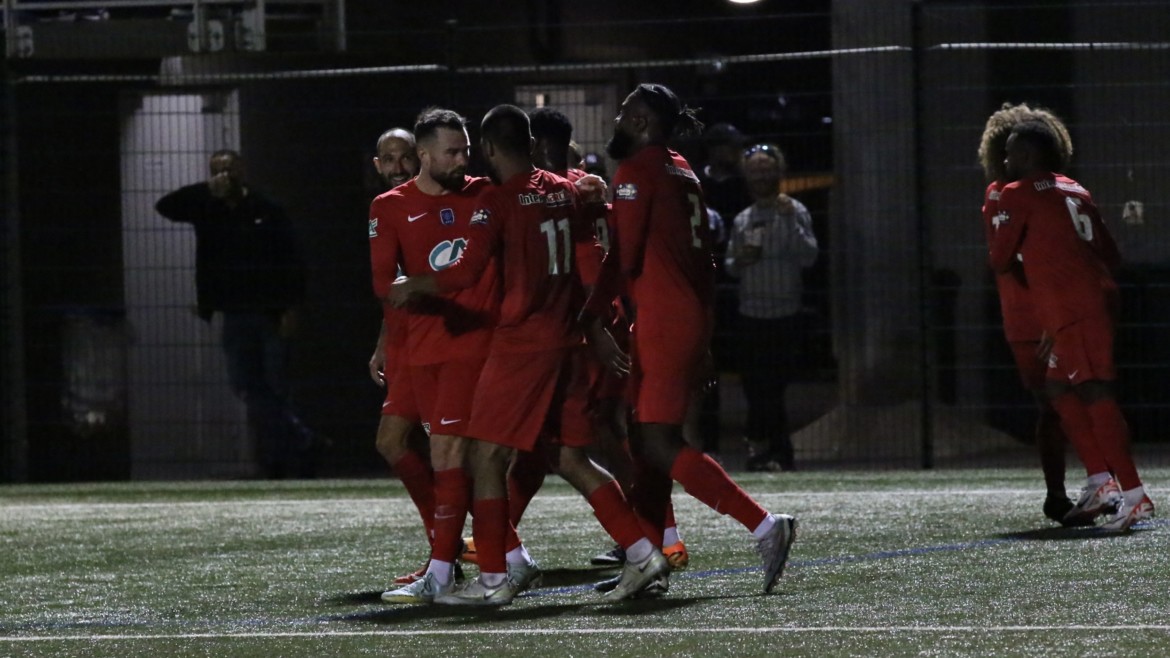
878	107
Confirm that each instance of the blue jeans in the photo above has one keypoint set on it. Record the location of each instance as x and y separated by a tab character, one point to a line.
256	358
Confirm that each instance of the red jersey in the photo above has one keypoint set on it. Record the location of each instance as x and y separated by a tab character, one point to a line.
1019	317
1049	223
661	239
535	227
418	233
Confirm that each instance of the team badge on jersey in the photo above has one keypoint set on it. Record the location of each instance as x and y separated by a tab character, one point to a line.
374	227
626	192
480	216
447	216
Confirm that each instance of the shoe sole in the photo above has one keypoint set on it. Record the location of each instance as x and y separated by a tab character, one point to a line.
777	569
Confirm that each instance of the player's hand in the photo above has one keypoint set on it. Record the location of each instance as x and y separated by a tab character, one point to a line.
1044	347
221	185
405	290
607	349
378	366
592	188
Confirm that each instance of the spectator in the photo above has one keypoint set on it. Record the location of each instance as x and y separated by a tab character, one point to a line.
771	242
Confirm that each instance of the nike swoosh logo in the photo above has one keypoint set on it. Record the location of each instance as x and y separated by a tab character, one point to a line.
444	421
411	218
1072	375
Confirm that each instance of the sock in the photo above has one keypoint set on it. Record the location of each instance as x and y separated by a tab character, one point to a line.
511	539
671	537
637	552
1098	479
442	571
1050	443
451	489
615	515
419	480
518	555
1112	433
704	479
1134	496
1078	427
650	498
765	527
490	528
492	578
525	477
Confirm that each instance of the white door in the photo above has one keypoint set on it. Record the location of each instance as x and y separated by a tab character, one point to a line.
184	421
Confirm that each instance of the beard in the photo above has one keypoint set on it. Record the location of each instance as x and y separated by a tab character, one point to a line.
620	146
394	180
452	181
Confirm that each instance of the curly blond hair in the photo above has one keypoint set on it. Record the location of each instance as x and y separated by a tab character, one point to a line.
993	144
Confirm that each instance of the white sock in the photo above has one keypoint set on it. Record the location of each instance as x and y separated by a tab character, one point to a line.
670	536
492	579
518	555
1134	496
639	551
765	527
442	571
1098	479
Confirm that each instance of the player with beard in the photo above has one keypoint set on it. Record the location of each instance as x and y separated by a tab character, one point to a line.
419	227
553	134
1049	223
533	388
662	255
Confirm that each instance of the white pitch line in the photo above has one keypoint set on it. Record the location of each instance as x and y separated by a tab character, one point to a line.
627	632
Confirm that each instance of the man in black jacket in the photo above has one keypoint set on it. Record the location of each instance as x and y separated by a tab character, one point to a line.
249	268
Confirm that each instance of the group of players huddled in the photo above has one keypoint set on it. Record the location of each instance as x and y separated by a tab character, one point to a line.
1055	261
524	318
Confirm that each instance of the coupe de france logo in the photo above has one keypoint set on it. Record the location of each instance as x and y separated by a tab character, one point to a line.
626	192
446	253
374	227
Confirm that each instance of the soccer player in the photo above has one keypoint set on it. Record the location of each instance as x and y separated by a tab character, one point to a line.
400	440
422	226
1022	327
553	133
532	385
1048	222
662	249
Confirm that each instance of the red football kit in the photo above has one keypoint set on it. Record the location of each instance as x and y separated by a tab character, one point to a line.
661	243
1050	225
534	225
446	337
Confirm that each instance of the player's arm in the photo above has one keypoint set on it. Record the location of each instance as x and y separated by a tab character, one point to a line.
378	358
384	248
185	204
484	236
804	241
631	221
1009	227
1105	245
588	252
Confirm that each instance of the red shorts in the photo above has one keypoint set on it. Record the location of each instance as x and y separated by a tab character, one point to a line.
667	368
525	396
444	392
1083	351
1032	370
400	399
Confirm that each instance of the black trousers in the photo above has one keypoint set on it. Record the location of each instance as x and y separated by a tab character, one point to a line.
770	350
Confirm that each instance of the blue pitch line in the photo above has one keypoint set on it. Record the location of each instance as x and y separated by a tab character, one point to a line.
851	559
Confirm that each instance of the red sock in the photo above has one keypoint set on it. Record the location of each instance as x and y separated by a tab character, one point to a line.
451	490
525	478
1112	434
708	482
669	521
613	511
419	480
1078	427
490	529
